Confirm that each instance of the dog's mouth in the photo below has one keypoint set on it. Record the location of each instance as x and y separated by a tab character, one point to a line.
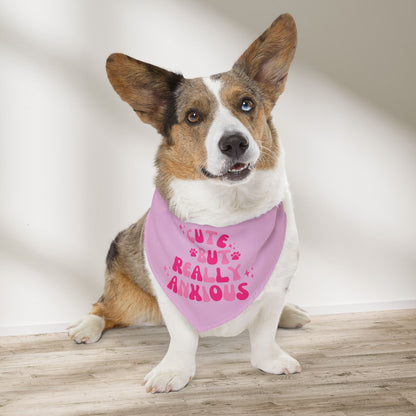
238	171
235	173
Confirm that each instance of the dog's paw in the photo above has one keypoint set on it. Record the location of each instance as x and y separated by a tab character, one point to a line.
166	377
87	330
293	316
279	363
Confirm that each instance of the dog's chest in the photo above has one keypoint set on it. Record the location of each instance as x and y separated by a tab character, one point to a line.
197	208
275	288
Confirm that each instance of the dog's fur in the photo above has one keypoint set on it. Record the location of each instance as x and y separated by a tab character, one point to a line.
202	184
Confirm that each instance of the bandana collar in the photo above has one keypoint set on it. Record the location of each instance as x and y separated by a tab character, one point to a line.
212	274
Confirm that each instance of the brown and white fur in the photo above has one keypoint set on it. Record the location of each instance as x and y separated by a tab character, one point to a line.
208	181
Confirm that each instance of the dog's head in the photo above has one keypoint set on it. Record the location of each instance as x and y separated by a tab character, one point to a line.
217	128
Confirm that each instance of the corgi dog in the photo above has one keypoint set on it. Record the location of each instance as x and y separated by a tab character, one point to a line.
220	170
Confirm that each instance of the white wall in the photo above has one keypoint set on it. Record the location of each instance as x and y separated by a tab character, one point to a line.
76	164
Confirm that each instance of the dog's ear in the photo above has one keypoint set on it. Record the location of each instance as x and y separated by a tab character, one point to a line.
147	88
268	58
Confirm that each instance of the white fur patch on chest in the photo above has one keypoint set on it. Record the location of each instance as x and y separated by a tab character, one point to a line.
209	202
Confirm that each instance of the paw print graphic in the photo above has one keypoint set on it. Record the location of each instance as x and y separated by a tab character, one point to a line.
193	252
235	255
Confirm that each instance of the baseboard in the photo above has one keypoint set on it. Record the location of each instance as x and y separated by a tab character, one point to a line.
33	329
312	309
360	307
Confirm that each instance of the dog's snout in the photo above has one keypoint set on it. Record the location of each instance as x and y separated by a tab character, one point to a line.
233	145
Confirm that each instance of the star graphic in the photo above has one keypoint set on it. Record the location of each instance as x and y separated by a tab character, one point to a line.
247	273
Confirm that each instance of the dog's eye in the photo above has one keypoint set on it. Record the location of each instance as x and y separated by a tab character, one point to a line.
247	105
193	117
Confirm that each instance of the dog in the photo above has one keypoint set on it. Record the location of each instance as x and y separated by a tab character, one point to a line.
222	193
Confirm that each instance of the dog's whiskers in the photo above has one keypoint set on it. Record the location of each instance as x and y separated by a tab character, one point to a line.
266	152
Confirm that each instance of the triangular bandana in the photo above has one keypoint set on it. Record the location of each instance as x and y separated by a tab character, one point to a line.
212	274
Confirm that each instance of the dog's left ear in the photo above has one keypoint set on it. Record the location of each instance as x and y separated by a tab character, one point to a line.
268	58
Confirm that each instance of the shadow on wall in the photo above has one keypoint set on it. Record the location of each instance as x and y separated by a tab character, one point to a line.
69	160
351	168
20	251
368	47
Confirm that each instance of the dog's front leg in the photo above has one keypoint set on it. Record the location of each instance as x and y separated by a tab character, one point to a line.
178	365
265	353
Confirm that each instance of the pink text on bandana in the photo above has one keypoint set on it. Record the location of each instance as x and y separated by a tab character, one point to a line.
212	274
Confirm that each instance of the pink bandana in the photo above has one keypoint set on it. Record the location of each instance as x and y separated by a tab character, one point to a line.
212	274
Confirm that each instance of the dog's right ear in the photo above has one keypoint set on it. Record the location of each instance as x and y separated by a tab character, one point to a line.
147	88
268	58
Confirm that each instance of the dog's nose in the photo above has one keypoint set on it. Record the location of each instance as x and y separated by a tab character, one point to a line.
233	145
